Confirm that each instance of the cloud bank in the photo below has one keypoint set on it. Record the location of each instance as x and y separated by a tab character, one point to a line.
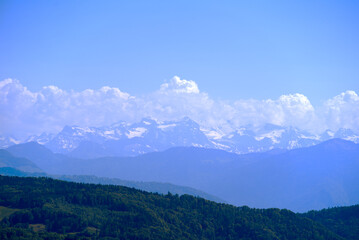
24	113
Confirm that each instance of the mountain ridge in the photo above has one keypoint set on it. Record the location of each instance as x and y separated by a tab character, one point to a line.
154	187
149	135
315	177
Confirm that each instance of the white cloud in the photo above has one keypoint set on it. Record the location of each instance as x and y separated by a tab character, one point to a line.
23	112
15	99
297	110
177	85
342	111
288	110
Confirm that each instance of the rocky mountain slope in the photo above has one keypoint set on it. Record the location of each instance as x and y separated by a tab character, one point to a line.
148	135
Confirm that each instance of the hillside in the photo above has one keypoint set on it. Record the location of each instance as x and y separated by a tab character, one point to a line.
53	209
155	187
8	160
341	220
312	178
38	154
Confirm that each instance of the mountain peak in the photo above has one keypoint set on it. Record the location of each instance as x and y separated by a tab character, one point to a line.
149	134
149	121
189	122
338	143
34	146
270	127
67	128
186	119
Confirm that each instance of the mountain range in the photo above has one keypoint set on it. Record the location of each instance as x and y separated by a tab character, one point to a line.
148	135
10	165
302	179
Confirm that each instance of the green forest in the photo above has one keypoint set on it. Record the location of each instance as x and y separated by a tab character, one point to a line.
44	208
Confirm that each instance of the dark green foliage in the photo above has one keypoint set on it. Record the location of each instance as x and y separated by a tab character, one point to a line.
342	220
12	233
74	210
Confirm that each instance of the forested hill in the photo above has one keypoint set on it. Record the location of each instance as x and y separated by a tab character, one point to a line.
342	220
42	208
155	187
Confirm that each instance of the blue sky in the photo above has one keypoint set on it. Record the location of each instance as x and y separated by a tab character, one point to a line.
231	49
224	64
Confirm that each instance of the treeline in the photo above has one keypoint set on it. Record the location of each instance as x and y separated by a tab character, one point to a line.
88	211
341	220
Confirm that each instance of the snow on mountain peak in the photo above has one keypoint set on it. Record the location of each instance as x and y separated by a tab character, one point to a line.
151	135
166	126
215	135
137	132
81	131
149	121
273	135
109	132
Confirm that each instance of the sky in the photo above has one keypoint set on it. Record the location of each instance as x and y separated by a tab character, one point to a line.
218	62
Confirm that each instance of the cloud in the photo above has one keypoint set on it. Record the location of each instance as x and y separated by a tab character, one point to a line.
342	111
23	112
288	110
176	85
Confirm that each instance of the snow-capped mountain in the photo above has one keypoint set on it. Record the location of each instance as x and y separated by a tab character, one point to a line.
8	141
41	139
149	135
347	134
342	133
123	139
249	139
